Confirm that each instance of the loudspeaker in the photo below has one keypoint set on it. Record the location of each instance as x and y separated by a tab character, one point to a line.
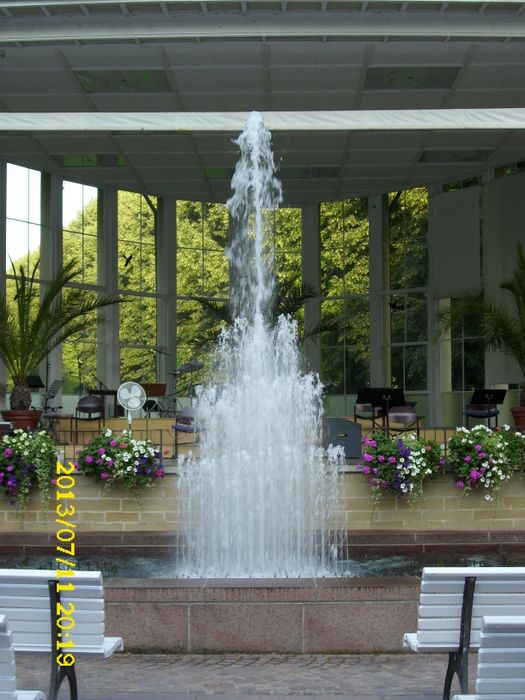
340	431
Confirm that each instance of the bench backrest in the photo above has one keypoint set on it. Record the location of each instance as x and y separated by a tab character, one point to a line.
499	591
501	659
24	598
7	662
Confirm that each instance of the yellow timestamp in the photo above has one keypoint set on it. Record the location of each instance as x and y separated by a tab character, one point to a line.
65	536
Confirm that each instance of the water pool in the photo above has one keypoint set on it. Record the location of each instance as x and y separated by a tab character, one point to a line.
162	567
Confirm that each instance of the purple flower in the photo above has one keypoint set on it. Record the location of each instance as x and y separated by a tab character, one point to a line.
460	485
482	455
467	459
101	451
381	458
474	475
367	457
10	468
110	462
366	470
372	443
104	476
8	452
477	448
392	460
88	459
442	461
375	470
113	443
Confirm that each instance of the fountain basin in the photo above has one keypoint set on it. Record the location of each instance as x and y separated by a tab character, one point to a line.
297	616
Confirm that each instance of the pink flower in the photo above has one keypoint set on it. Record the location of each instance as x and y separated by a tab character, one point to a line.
104	476
54	482
110	462
460	485
101	451
8	452
9	468
467	459
87	442
113	443
366	470
123	445
482	455
88	459
474	475
372	443
367	457
392	460
375	470
477	448
381	458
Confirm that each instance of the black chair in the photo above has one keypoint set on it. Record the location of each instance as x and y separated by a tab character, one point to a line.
484	404
89	408
185	423
365	409
406	417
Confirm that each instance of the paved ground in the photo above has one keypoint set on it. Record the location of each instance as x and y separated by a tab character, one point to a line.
188	677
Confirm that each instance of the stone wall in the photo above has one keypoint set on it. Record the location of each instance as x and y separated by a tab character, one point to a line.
442	507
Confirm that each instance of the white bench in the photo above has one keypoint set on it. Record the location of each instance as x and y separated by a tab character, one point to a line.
29	596
8	689
452	603
501	660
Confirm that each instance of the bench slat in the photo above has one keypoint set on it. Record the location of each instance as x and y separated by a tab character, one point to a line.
42	603
502	670
17	615
41	588
500	685
482	586
477	610
500	598
31	576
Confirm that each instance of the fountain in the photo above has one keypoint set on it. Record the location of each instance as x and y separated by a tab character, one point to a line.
258	501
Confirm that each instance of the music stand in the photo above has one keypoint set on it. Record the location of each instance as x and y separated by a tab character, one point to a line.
483	404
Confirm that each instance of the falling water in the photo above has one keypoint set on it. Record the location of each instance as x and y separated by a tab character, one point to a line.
258	500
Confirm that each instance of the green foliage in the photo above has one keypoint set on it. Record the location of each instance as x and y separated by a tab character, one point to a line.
27	461
43	317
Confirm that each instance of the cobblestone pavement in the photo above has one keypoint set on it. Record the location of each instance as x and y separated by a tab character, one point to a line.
237	676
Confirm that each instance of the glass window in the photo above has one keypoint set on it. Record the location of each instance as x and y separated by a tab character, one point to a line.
23	216
80	226
345	321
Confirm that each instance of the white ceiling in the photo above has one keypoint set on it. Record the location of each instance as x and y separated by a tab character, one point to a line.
187	56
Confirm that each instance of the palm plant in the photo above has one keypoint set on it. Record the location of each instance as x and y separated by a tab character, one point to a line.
42	317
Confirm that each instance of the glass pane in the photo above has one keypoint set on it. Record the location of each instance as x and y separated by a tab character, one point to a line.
415	368
216	227
79	358
397	366
416	323
332	369
288	229
190	272
138	321
138	364
357	370
189	224
216	274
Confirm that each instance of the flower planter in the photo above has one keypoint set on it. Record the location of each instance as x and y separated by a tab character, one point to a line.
23	419
518	413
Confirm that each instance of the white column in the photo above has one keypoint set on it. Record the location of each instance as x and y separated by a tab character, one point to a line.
51	258
166	260
3	259
108	348
311	268
380	374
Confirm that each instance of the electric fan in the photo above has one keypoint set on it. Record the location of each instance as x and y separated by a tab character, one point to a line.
131	396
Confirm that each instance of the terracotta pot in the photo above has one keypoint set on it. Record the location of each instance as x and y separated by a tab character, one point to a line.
23	419
518	413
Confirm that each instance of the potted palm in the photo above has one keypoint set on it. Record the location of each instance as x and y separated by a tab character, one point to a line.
502	327
39	319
